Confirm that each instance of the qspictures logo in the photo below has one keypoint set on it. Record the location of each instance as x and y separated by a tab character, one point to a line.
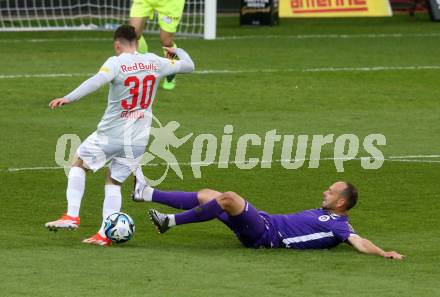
245	151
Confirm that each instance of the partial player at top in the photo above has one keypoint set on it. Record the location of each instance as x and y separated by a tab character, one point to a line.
169	15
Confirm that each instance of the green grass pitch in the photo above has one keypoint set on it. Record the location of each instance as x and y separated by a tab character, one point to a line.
267	89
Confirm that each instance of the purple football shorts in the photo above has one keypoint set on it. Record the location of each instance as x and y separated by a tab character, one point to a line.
252	227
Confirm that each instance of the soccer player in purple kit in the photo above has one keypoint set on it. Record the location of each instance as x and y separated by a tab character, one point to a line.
321	228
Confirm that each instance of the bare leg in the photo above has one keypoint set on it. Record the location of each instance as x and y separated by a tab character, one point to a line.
207	195
139	25
222	206
166	38
110	181
80	163
230	202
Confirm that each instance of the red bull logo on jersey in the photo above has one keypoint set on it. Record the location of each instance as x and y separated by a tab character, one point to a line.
139	66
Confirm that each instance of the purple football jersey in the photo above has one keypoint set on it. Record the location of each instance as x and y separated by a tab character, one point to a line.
311	229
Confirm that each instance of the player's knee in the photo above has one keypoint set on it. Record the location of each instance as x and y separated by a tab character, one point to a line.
207	192
111	181
80	163
231	195
228	199
206	195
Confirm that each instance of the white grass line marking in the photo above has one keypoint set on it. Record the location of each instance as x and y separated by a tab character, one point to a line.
412	161
231	71
404	159
43	75
414	156
43	40
237	37
368	69
32	168
323	69
331	36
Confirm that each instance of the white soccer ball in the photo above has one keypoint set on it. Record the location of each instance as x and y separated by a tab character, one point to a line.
119	227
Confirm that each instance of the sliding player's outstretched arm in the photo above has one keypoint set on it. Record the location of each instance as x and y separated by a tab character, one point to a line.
104	76
365	246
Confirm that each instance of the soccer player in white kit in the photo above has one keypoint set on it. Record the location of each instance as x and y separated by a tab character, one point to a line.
122	134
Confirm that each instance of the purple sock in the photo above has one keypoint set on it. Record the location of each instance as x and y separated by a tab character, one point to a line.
201	213
181	200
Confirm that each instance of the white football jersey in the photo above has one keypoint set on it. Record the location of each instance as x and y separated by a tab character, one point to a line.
134	79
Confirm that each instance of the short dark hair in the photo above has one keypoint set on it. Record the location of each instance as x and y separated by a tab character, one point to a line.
125	32
350	193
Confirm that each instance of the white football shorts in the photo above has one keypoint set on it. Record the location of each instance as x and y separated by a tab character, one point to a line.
96	152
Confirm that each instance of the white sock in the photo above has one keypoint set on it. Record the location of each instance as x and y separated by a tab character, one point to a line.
172	221
140	176
112	203
75	190
147	193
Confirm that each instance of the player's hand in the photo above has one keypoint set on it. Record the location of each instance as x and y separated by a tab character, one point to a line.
171	52
58	102
393	255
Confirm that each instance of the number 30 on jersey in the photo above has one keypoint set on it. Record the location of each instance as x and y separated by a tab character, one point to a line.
147	87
